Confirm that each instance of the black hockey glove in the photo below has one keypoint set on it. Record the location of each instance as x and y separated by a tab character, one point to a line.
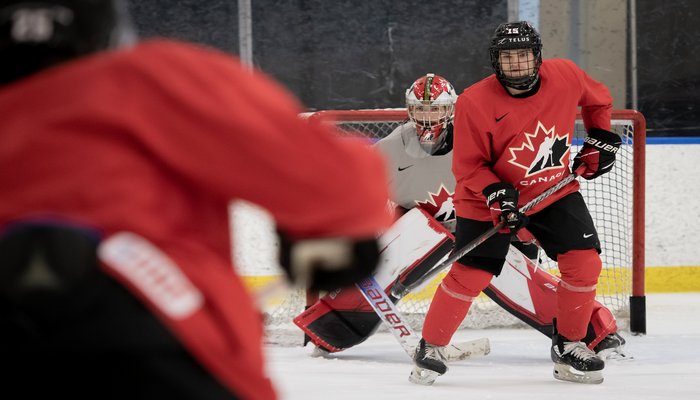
502	199
327	263
597	154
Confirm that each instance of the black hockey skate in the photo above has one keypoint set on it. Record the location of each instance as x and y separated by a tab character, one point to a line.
611	347
430	363
575	362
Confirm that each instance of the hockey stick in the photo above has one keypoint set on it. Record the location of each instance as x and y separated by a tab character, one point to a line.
399	290
383	305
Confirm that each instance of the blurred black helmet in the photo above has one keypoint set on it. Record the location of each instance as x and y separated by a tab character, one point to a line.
40	33
516	35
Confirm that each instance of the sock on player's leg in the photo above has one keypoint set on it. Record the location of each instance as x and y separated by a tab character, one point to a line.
451	302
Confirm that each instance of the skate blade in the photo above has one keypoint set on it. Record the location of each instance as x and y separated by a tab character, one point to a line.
567	373
422	376
467	350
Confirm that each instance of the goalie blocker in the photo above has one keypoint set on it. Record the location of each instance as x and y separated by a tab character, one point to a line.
343	318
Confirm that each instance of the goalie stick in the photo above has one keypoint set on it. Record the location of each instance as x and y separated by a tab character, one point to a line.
383	305
399	290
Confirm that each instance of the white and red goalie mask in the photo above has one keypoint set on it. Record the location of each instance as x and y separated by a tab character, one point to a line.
430	102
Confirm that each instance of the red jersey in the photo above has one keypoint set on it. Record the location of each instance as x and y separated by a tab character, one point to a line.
522	140
156	140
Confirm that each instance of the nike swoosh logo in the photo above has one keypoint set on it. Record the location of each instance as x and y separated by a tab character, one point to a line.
587	235
403	168
501	117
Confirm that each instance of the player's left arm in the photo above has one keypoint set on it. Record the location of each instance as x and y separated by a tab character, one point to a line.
597	156
595	102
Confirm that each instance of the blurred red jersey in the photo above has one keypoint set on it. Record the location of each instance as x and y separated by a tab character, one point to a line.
156	140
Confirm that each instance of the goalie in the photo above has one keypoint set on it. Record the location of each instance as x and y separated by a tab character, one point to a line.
419	161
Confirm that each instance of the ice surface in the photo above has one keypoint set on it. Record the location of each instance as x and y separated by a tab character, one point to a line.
666	365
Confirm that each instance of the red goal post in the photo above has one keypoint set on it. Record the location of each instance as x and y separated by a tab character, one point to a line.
616	201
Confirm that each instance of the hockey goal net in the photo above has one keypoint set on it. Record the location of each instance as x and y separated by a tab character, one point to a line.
616	201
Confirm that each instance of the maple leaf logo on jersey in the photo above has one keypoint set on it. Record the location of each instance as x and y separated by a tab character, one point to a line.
439	205
541	151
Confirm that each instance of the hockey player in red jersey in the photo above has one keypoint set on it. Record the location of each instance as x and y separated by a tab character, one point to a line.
419	161
118	162
502	124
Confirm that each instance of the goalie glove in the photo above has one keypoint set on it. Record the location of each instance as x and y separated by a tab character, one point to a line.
326	264
597	155
502	199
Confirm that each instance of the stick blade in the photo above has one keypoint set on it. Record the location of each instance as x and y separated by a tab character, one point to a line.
467	350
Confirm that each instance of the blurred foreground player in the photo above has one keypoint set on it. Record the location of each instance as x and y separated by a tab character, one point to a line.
118	162
419	166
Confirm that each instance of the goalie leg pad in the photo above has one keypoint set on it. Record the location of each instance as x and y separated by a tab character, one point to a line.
339	322
602	324
343	318
529	293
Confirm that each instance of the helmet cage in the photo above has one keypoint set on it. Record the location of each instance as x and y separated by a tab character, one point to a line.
428	114
430	102
516	36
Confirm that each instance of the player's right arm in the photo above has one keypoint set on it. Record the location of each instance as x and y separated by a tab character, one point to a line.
472	157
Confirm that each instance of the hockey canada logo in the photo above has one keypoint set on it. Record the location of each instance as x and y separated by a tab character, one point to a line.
439	205
541	151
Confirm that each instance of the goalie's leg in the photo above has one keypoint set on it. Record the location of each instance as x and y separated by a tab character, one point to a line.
602	336
343	318
612	347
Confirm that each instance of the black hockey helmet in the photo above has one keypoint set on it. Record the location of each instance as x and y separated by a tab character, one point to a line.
516	35
35	34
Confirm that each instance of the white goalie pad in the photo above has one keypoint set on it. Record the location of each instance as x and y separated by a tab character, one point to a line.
344	317
410	242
